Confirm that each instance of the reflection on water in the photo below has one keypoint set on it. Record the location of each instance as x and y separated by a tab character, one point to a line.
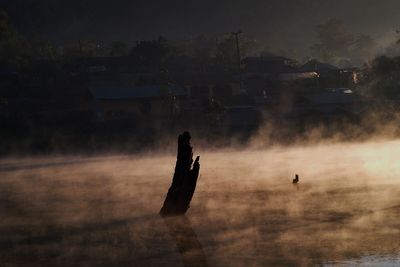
370	261
188	245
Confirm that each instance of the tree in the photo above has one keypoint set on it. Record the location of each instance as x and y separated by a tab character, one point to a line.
334	41
84	49
119	48
153	54
201	49
13	48
382	66
364	48
41	49
226	53
393	49
382	78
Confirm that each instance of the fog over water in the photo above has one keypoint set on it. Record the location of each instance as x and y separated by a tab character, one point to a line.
103	211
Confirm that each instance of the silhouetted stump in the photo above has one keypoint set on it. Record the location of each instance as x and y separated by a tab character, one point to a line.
189	247
184	181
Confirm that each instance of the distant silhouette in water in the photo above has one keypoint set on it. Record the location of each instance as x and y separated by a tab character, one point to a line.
296	179
188	245
184	181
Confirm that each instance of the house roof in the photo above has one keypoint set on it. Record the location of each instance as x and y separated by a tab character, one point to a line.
291	76
135	92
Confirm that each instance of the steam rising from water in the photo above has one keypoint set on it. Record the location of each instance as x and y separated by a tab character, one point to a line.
66	211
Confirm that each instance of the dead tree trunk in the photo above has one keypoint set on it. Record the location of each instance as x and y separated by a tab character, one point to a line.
184	181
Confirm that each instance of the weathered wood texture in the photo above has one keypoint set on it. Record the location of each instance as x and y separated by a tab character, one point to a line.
184	181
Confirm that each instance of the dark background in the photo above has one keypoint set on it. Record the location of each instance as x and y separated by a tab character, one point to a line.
285	24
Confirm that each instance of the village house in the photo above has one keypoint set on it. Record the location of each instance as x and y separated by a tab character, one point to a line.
265	78
136	104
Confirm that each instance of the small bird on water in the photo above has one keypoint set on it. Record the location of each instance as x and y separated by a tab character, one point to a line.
296	179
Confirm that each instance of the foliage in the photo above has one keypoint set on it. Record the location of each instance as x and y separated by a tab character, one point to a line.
201	49
13	48
41	49
363	49
153	54
334	41
18	52
226	54
337	45
382	77
119	48
83	49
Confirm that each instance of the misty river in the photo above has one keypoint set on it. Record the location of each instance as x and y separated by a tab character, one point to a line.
103	210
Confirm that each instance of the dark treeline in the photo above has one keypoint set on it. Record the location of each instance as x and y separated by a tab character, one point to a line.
335	44
96	96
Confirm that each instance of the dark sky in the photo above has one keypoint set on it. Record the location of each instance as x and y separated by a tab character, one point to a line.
286	23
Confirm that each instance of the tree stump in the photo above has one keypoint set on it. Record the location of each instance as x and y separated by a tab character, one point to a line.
184	181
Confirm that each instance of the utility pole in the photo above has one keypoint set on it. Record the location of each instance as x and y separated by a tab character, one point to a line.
236	34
